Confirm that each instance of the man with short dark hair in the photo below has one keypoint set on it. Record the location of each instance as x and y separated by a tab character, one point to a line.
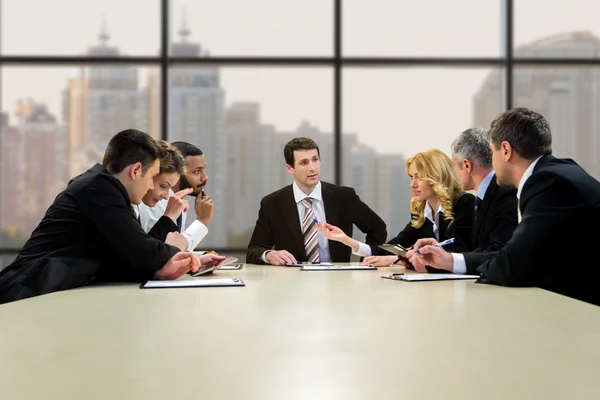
559	206
286	231
91	233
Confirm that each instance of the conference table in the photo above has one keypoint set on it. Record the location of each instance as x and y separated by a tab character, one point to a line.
292	334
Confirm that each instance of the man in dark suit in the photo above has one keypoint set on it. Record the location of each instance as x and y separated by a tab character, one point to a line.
286	231
495	207
559	212
90	233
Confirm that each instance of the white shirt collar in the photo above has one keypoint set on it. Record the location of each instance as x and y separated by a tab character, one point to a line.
526	176
485	184
428	212
299	195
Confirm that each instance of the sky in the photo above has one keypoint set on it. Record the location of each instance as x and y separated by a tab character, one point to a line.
391	109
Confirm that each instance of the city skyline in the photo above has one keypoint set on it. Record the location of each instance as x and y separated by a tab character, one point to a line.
243	137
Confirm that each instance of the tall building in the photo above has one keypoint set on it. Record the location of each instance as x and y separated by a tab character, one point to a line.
569	97
11	171
249	166
196	115
102	101
43	154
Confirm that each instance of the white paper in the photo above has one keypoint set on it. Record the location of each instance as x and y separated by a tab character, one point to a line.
325	267
194	282
434	277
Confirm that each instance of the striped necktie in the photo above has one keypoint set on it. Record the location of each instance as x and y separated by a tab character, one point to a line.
309	232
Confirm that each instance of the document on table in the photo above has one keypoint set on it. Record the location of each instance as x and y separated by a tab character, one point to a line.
428	277
178	283
337	267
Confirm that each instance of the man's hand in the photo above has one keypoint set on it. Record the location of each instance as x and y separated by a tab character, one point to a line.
420	243
180	264
178	240
434	256
176	204
280	257
212	260
379	261
205	209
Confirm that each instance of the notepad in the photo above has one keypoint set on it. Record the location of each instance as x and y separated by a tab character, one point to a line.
428	277
337	267
231	267
179	283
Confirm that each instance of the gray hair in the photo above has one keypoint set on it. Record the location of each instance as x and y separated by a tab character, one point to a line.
474	145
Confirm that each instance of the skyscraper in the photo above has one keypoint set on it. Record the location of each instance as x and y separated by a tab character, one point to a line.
102	101
43	154
569	97
196	115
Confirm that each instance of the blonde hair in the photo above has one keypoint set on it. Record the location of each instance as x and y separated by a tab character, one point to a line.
435	168
171	160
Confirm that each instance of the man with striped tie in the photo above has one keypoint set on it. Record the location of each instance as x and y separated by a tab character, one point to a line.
286	231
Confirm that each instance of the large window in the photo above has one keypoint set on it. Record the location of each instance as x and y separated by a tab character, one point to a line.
372	82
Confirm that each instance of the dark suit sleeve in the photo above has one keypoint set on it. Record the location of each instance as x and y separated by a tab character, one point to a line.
406	238
504	222
462	227
162	227
104	205
551	206
262	237
368	221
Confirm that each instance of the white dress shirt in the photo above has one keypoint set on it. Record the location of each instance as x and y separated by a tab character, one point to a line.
149	215
460	266
364	250
524	178
318	210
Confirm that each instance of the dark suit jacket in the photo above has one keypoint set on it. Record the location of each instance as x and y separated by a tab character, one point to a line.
162	227
495	222
278	224
90	233
553	246
460	229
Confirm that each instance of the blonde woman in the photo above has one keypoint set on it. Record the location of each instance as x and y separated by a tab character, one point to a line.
439	209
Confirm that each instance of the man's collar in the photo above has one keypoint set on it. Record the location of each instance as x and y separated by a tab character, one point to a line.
299	195
526	176
485	183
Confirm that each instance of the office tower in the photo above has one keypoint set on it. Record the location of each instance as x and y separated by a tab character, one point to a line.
196	108
568	97
102	101
43	154
11	171
250	159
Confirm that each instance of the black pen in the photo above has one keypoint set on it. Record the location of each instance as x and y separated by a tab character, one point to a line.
202	196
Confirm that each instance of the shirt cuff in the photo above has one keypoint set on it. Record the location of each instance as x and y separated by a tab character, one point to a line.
364	250
263	258
460	266
195	233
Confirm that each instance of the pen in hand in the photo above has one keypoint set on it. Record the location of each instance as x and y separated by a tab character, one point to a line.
202	195
441	244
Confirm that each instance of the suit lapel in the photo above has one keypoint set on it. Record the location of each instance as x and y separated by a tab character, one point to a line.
332	203
488	197
289	214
